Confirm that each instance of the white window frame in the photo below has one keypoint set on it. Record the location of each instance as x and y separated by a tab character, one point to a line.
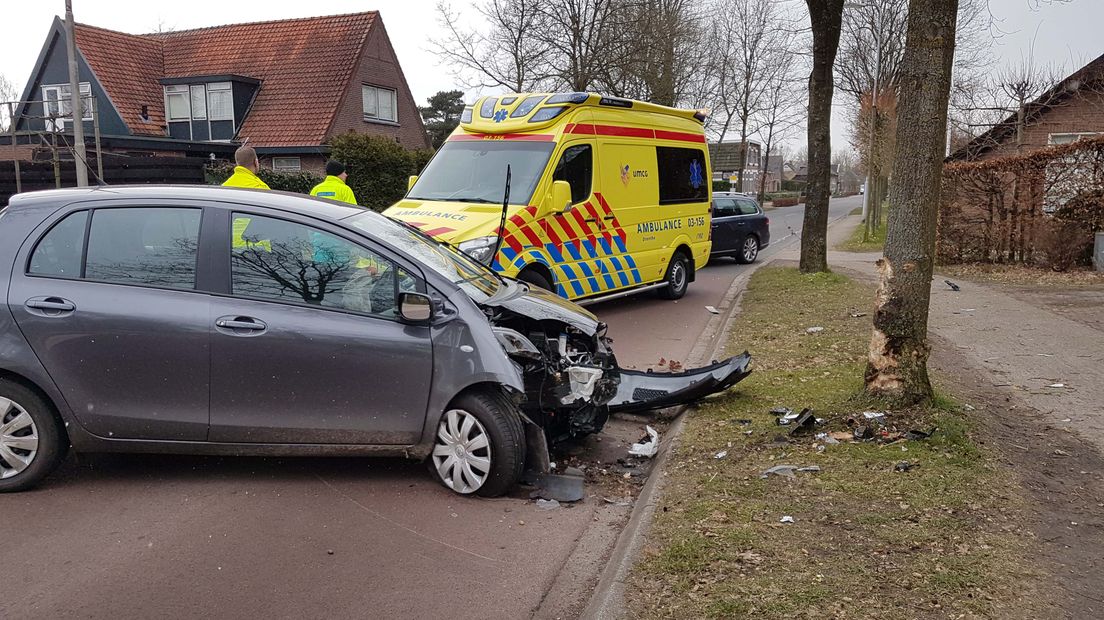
1077	136
371	98
61	94
287	164
178	90
217	88
199	90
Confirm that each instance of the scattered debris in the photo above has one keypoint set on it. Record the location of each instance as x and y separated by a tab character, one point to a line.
875	416
1057	385
740	421
329	551
828	439
814	330
803	422
789	417
648	445
855	314
618	502
781	410
840	436
712	310
862	432
560	487
968	407
915	435
1061	452
721	454
811	468
905	466
547	504
786	471
786	519
954	287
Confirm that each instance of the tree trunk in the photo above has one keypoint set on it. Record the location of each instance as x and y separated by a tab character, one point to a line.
898	362
826	17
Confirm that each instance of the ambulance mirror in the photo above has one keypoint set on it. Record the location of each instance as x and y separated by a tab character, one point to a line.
561	196
411	181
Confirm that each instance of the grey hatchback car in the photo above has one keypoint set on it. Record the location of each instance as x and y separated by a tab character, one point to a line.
225	321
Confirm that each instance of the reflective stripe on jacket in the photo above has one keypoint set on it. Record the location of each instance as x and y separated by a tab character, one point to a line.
244	177
334	189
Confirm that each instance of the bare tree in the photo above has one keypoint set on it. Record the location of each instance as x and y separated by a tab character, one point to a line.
7	93
826	17
782	111
510	52
897	365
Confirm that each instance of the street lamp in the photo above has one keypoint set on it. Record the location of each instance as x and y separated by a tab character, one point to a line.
866	210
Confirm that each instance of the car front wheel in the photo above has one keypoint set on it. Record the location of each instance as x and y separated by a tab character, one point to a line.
480	445
749	251
31	439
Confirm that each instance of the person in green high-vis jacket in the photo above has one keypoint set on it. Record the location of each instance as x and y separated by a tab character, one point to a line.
333	186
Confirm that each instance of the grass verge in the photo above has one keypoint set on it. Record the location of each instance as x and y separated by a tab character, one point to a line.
1024	275
936	541
873	243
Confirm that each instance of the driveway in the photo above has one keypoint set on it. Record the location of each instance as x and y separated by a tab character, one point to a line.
143	536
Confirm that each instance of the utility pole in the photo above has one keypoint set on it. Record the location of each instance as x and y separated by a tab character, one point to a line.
75	106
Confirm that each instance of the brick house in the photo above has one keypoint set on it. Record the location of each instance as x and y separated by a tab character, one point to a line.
1067	112
284	87
726	158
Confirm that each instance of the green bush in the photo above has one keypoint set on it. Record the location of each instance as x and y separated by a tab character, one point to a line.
378	167
793	186
783	195
298	182
723	185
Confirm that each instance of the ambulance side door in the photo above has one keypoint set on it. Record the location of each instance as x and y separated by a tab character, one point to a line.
574	232
630	190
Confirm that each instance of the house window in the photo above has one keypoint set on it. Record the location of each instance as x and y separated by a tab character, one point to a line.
56	103
199	102
286	164
1069	138
176	103
220	101
379	104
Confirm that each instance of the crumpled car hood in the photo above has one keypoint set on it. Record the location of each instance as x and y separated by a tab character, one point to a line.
538	304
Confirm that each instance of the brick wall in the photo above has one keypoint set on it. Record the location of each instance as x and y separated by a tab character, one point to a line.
380	67
1081	113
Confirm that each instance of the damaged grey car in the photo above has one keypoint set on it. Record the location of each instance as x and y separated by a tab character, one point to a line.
202	320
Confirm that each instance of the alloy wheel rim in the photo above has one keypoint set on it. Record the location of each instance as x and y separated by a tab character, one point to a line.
750	249
18	439
462	452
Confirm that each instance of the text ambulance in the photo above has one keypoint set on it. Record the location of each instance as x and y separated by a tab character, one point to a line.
607	195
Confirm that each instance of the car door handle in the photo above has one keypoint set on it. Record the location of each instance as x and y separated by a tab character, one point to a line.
56	304
592	220
609	217
241	322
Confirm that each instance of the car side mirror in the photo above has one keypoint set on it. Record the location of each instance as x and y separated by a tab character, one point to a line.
561	197
415	307
411	181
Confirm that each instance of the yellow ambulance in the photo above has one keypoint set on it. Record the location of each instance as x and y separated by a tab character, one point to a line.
607	196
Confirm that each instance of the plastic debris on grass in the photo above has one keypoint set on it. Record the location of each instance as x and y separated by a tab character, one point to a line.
648	445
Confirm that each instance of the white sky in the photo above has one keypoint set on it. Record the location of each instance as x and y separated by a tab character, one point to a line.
1062	33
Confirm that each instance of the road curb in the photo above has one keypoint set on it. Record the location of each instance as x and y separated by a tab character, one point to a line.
607	600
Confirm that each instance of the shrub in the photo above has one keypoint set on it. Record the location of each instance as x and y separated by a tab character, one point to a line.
1065	244
298	182
378	167
784	201
723	185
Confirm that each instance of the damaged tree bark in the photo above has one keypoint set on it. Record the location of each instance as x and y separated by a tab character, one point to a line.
898	361
826	17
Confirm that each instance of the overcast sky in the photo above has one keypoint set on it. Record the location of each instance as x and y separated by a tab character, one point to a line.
1062	33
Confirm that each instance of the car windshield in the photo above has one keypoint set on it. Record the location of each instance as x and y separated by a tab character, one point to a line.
479	282
475	171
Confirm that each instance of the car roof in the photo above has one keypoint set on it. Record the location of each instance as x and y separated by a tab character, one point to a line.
285	201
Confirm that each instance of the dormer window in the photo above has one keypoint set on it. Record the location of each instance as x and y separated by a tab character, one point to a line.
203	111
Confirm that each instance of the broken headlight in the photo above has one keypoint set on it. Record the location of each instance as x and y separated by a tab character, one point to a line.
480	249
516	344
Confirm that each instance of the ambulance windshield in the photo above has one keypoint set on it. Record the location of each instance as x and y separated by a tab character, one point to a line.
475	171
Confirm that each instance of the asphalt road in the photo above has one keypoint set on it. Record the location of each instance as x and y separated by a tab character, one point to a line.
175	537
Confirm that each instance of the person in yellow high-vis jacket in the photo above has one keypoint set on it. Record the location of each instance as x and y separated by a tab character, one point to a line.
334	187
245	175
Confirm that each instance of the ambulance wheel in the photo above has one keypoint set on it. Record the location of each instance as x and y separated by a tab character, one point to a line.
677	278
536	278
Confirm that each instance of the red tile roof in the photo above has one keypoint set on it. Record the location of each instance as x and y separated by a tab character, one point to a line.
304	66
128	66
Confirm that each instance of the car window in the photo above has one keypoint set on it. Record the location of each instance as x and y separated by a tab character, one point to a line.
284	261
144	245
576	167
724	207
682	175
747	207
58	253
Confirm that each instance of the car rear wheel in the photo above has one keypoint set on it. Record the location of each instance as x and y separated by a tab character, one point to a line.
480	445
678	277
749	251
31	439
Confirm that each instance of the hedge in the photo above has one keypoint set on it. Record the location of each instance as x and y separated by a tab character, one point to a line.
299	182
378	167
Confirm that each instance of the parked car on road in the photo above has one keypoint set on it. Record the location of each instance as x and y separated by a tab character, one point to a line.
740	228
227	321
